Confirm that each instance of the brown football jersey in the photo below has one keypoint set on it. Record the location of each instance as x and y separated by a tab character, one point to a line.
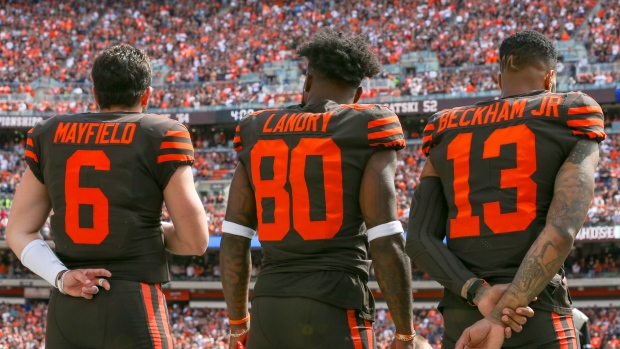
105	174
498	161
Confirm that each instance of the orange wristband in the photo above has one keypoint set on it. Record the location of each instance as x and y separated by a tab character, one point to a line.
239	322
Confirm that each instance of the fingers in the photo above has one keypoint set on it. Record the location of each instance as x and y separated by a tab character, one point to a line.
98	272
103	283
507	332
515	326
524	311
464	340
520	319
88	292
79	275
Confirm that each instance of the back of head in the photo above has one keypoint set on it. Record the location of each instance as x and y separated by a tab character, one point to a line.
121	75
527	49
338	58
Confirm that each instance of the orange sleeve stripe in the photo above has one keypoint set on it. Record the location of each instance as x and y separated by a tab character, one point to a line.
29	142
176	145
237	139
429	127
31	130
381	122
593	134
238	129
586	122
32	155
358	106
238	148
427	139
585	110
183	134
174	157
400	142
425	150
386	133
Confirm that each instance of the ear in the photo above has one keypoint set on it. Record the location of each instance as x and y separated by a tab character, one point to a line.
308	83
95	95
358	94
499	80
145	97
550	83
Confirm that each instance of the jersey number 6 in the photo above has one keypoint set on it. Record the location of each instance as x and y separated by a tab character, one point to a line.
76	196
270	188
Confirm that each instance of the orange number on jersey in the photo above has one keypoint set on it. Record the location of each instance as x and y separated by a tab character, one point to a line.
464	224
76	196
520	177
266	188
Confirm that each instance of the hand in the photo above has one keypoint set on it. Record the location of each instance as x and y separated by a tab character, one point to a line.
84	282
238	342
396	344
489	299
484	334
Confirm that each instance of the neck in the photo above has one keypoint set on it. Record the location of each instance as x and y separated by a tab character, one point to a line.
513	90
115	109
322	92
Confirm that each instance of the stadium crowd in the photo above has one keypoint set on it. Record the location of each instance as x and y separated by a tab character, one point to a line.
203	52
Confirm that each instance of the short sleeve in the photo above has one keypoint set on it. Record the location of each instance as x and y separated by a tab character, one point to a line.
237	140
384	130
175	150
33	155
427	137
585	118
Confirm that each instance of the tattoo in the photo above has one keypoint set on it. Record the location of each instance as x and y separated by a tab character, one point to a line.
582	150
573	192
235	259
235	263
480	293
393	271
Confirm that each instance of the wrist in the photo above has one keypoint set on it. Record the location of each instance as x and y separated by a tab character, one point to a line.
466	286
480	293
473	289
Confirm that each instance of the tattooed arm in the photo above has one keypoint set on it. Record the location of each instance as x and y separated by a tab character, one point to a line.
392	266
574	188
235	260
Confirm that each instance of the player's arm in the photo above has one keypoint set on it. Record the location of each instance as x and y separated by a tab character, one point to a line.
31	207
189	232
426	231
235	260
573	192
387	245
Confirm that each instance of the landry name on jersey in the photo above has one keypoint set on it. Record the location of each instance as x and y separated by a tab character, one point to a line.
498	161
305	165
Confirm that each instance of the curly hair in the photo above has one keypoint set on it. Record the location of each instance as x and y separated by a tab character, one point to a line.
527	48
340	58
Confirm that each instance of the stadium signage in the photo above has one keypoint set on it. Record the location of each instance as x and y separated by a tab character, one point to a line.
598	233
19	121
416	107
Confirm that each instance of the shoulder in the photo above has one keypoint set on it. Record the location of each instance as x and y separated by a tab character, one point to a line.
45	125
158	126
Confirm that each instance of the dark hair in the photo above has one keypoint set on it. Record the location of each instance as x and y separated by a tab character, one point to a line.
527	48
121	74
340	58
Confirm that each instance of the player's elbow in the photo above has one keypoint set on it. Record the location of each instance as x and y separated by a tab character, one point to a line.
199	244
